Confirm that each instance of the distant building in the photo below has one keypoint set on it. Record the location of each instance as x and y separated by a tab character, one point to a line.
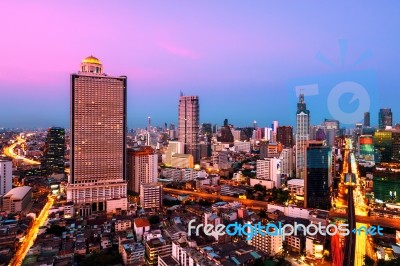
319	176
54	150
151	196
142	167
179	160
188	124
269	169
284	135
367	119
173	148
287	162
5	177
302	136
385	118
17	199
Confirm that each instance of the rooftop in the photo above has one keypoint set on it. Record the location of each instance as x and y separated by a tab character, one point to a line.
18	192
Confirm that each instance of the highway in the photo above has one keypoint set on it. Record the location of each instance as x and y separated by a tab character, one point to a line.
255	204
9	151
30	237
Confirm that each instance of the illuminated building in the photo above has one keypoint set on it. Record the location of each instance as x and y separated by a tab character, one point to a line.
319	176
302	136
54	150
151	195
188	124
383	146
387	187
270	243
142	167
385	118
98	131
284	135
366	147
5	176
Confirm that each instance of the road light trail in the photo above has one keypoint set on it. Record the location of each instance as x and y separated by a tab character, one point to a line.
30	237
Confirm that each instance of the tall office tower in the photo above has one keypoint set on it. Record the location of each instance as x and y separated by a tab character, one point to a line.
385	118
302	136
148	124
284	135
319	176
188	124
383	143
255	124
367	119
142	167
54	150
5	177
98	131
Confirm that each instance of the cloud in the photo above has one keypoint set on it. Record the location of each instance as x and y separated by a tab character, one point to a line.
179	51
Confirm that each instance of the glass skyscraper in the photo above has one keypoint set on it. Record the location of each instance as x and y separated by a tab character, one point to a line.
188	124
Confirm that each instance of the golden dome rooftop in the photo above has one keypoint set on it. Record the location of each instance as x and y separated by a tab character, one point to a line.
91	60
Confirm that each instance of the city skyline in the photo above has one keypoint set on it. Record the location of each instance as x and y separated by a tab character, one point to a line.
253	53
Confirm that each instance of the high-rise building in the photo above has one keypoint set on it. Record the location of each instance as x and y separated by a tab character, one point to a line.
188	124
383	145
142	167
385	118
270	169
98	140
5	177
287	162
366	147
367	119
54	150
284	135
319	176
302	136
151	195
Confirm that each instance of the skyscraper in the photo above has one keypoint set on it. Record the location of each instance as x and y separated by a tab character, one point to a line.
367	119
54	150
302	136
98	131
385	118
142	167
319	176
5	177
188	124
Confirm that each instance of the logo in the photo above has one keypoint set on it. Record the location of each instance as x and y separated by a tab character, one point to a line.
343	95
250	230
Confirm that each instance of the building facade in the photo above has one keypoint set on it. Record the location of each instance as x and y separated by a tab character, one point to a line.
319	176
5	177
189	124
142	167
151	196
284	135
54	150
385	118
98	132
302	136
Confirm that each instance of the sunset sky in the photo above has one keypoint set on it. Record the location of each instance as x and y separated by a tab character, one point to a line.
242	58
